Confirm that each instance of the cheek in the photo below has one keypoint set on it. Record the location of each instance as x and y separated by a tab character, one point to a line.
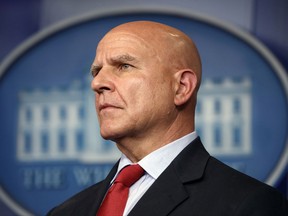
96	103
140	94
150	96
136	93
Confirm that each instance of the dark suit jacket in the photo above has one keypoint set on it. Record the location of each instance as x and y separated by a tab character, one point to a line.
193	184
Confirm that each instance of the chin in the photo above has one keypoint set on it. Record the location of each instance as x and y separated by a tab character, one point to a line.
110	136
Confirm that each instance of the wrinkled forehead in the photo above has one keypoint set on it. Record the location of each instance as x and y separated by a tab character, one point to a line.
120	43
126	39
151	34
162	42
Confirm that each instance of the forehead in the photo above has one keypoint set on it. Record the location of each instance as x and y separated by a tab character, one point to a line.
124	41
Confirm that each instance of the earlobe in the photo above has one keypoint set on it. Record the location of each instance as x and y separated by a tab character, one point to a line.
186	86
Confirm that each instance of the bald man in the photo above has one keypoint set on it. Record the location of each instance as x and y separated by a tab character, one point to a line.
145	77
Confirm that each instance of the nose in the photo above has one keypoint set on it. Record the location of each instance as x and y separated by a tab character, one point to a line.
102	82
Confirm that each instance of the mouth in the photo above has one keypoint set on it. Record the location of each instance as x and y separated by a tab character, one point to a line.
107	106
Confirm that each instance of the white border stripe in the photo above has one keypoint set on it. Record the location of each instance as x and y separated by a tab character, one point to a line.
248	38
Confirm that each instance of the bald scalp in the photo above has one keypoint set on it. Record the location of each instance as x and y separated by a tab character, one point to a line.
172	46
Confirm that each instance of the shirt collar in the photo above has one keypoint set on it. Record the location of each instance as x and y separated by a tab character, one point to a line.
162	156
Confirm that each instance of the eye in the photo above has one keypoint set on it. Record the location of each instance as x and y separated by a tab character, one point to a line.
125	66
94	73
95	70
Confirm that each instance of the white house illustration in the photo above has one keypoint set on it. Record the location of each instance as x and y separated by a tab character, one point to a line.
61	123
223	116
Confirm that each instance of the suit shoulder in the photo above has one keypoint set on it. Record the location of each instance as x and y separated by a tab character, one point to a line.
224	173
249	194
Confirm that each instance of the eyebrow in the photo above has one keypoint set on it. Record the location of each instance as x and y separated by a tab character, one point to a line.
95	69
123	58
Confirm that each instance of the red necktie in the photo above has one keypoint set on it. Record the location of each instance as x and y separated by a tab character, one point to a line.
116	198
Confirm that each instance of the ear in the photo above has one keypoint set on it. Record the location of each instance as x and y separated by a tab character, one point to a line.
186	86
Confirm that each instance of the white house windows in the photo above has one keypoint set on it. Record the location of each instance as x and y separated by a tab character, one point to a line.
27	142
28	114
80	140
217	135
44	141
62	113
217	106
236	105
237	134
62	141
81	112
45	114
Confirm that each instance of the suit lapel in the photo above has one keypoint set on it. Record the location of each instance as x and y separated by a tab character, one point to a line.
168	191
104	188
95	195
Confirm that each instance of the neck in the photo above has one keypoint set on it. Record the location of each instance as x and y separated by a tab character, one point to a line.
136	148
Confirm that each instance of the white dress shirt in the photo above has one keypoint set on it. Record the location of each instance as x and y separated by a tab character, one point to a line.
162	157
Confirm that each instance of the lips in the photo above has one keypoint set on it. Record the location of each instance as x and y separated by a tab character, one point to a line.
106	106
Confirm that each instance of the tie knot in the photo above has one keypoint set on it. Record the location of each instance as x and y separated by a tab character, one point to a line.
130	174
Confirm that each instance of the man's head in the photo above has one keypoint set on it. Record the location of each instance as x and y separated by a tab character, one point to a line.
146	78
